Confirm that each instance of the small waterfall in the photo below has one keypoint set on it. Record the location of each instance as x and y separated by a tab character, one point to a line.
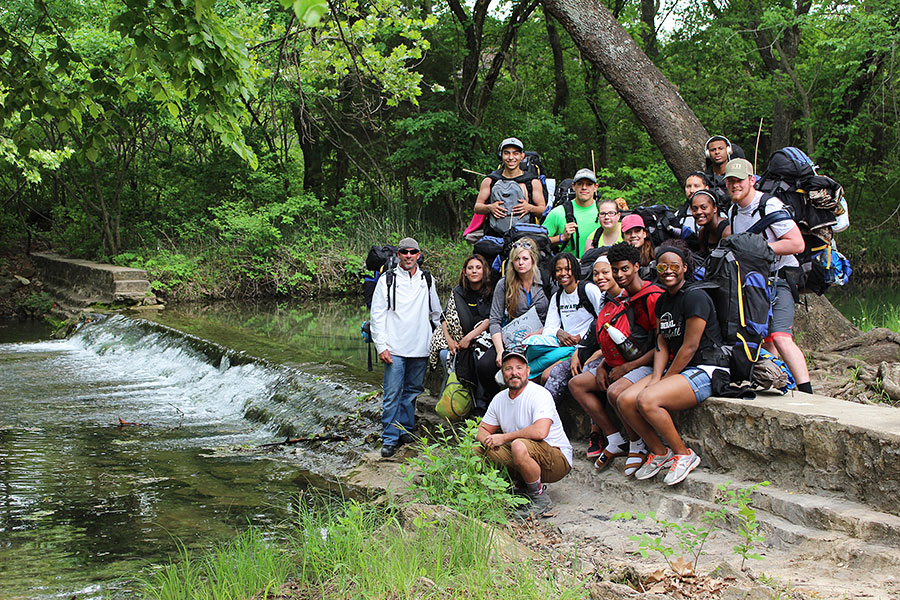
163	376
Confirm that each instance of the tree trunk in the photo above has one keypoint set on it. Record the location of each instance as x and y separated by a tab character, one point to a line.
672	125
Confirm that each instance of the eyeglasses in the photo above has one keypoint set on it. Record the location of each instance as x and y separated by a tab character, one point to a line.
523	245
408	251
663	267
608	213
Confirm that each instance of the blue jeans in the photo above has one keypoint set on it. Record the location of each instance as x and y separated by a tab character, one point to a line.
404	380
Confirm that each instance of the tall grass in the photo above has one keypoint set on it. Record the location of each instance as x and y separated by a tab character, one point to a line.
883	315
355	550
247	565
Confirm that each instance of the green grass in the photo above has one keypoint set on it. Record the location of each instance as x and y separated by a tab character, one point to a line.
337	549
871	316
247	565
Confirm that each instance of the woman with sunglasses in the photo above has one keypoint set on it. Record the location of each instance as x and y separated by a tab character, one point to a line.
610	230
465	319
688	356
514	295
712	225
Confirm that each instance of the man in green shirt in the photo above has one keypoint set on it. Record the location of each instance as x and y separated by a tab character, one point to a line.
570	229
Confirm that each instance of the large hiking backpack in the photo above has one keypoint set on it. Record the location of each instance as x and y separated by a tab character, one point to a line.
620	313
819	268
382	260
509	193
532	165
813	200
660	222
538	233
563	193
737	280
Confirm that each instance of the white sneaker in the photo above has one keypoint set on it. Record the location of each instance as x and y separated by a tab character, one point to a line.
682	465
655	463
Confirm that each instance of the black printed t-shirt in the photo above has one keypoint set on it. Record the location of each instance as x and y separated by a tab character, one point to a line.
672	313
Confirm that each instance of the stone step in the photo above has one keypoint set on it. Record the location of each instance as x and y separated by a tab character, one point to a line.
132	286
841	530
808	443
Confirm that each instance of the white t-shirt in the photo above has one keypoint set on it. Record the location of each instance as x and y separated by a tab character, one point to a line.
746	216
532	404
570	317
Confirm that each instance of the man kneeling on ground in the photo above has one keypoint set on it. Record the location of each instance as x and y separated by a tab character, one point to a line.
521	430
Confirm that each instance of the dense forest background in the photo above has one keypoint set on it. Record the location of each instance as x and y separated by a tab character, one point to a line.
260	147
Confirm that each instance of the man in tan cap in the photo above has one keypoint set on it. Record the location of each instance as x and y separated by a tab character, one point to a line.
750	206
405	311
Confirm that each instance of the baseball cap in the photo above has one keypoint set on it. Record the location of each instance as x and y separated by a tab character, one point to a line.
514	354
739	168
511	141
584	174
408	244
632	221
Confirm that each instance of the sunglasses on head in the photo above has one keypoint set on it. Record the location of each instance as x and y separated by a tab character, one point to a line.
523	245
663	267
408	251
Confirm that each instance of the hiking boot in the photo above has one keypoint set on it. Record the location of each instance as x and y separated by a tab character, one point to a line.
681	466
537	506
595	446
655	463
388	450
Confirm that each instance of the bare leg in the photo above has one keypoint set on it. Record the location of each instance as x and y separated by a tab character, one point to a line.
628	410
584	389
792	355
613	393
656	403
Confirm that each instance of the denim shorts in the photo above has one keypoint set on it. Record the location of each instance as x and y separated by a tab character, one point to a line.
636	375
699	381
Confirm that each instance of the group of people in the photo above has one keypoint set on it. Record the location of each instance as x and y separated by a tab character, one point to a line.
671	360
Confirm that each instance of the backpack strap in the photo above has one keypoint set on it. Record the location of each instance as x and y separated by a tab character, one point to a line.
583	300
389	281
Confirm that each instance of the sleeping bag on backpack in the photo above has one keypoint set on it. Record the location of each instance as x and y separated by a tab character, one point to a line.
737	280
634	316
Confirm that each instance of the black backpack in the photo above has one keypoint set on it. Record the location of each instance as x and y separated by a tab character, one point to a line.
791	177
532	165
660	222
382	260
737	280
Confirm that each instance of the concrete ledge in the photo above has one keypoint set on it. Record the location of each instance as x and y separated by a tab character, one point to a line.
802	442
84	282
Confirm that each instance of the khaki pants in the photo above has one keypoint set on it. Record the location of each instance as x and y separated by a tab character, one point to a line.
553	463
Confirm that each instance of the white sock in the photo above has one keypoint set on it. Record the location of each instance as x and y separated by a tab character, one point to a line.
637	446
614	442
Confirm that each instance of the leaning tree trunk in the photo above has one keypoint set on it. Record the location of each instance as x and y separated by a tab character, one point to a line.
671	123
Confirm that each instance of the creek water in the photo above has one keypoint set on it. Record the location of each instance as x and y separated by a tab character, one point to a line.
86	505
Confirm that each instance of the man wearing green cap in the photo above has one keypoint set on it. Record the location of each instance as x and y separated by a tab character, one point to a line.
571	226
785	239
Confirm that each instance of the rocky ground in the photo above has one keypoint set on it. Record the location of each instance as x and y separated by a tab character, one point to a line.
20	287
580	535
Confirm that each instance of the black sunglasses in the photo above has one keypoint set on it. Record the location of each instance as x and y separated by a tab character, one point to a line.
408	251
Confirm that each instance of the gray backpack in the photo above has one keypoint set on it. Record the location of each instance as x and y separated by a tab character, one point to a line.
509	192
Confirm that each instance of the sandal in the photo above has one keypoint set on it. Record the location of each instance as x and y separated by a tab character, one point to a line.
605	459
631	466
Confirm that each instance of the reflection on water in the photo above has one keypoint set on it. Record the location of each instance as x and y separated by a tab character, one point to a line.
86	505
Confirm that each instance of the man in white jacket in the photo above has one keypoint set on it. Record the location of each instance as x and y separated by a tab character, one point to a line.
405	311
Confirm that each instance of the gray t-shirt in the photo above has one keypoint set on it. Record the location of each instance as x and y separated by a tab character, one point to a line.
746	216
